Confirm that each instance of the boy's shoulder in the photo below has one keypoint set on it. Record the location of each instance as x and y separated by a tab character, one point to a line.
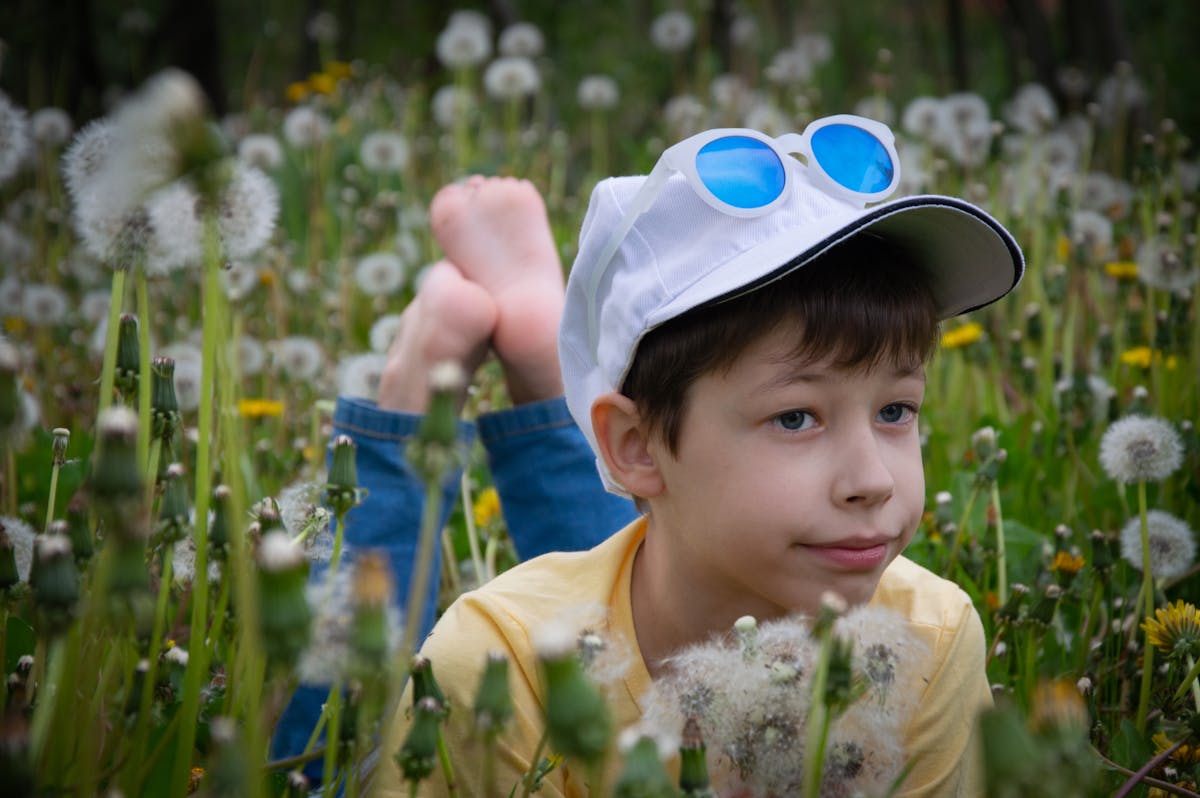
923	597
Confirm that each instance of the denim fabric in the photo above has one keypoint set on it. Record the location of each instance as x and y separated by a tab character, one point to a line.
550	493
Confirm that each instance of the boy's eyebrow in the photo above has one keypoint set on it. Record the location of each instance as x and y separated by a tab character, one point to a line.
805	372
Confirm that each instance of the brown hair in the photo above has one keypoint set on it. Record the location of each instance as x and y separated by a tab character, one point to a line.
862	303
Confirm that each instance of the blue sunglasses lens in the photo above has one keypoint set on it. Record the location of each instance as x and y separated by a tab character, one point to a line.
853	157
741	171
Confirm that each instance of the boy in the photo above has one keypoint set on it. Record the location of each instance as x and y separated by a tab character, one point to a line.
743	345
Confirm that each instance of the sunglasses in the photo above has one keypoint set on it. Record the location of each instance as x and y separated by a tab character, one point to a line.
745	173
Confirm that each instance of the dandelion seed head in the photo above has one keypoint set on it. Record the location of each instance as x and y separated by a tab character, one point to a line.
177	233
672	31
298	505
1032	109
597	93
306	127
684	114
380	274
511	78
94	305
251	356
1093	231
1172	544
15	246
464	44
384	152
87	155
790	67
261	150
522	39
451	103
743	32
924	119
1118	94
176	656
51	127
322	27
359	375
239	279
1164	265
876	107
1137	448
15	143
300	357
278	553
44	305
21	535
188	385
384	331
246	211
117	421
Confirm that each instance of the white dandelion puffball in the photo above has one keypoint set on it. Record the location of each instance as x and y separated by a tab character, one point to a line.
21	536
94	305
85	158
384	331
261	150
1163	265
251	356
15	246
14	138
247	210
1172	544
1032	109
597	93
817	46
924	119
521	39
330	655
380	274
876	107
1137	448
743	32
770	119
450	103
383	152
44	305
1093	231
322	27
790	66
462	45
672	31
685	115
298	356
188	385
239	279
177	237
511	77
51	127
12	293
359	375
305	127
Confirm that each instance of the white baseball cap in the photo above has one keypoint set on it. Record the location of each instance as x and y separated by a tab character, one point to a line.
681	253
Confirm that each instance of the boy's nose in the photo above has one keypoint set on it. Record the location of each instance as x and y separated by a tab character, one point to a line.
863	476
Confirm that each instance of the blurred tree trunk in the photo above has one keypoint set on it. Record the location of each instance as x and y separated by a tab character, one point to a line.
189	37
956	41
1027	17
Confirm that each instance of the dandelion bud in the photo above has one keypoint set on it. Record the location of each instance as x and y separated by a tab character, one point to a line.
1012	608
218	530
173	512
577	719
129	363
418	754
943	509
62	437
746	631
424	685
1105	552
1043	611
833	606
372	589
1084	686
297	785
55	583
284	615
643	775
493	702
983	443
164	406
1140	406
693	768
341	490
115	475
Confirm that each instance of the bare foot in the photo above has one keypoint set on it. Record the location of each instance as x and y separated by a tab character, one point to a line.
495	230
450	318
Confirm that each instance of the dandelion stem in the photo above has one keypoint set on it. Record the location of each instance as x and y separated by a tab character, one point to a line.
818	720
333	724
1145	607
146	700
1145	770
419	583
527	779
152	470
961	531
1001	559
1190	681
336	557
53	490
448	767
109	365
144	378
472	532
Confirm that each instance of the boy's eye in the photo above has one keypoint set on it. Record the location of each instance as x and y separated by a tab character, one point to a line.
794	420
895	413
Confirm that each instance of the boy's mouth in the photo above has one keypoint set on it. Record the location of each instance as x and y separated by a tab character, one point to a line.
853	554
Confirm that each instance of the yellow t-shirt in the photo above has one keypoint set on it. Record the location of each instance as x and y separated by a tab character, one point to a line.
504	614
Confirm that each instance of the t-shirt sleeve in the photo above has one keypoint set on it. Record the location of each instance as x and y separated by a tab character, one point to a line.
943	740
457	649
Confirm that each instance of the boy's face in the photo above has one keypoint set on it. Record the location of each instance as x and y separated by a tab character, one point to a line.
791	480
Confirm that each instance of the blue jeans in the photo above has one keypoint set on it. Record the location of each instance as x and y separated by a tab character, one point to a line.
542	467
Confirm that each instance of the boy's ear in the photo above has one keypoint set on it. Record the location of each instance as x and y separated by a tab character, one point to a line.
623	443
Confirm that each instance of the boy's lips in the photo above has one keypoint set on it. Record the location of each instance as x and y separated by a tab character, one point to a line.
854	554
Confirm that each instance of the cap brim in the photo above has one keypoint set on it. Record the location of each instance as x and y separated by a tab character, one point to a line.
968	257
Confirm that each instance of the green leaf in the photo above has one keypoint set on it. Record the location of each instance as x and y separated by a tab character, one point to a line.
19	642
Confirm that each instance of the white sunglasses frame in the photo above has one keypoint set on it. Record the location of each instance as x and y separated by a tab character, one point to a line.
681	158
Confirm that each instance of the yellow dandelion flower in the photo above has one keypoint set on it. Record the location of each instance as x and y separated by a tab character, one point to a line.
1139	356
297	92
320	83
14	324
1057	705
962	336
487	507
1062	248
338	70
1067	563
1174	629
1121	269
266	277
258	408
1185	755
